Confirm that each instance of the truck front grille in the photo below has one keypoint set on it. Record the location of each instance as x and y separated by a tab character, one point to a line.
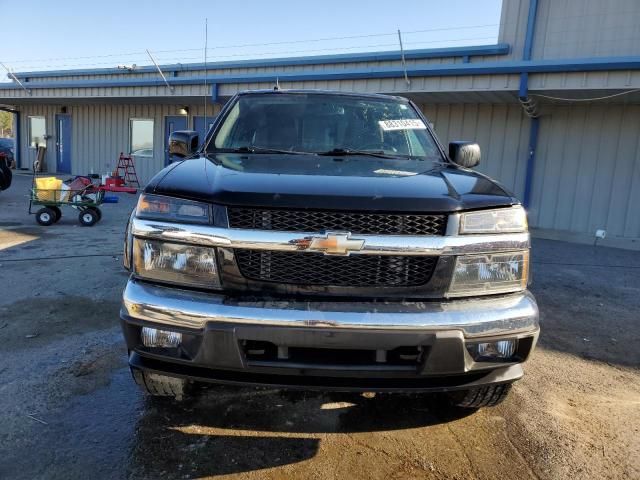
318	269
326	220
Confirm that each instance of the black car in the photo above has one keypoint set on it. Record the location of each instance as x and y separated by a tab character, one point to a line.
6	159
323	240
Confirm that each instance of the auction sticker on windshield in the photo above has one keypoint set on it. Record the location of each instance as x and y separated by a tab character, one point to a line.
402	124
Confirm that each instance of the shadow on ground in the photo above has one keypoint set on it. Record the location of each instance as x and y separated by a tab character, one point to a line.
227	430
589	299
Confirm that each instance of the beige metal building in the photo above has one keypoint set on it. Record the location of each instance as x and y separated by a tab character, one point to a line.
575	162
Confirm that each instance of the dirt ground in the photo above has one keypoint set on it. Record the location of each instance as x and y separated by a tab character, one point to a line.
70	409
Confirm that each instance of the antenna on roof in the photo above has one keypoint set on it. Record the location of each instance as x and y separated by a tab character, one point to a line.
15	78
159	70
276	87
206	41
404	63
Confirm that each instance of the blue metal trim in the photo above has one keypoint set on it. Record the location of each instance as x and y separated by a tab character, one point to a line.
531	160
429	70
417	54
214	92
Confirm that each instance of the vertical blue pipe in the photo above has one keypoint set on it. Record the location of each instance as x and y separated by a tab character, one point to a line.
531	26
522	93
214	92
531	160
17	146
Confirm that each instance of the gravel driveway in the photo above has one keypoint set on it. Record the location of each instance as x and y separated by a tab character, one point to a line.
70	409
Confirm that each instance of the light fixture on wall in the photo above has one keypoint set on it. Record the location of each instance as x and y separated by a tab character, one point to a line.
63	110
183	110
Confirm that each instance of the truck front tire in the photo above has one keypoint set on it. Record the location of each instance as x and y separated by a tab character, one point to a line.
488	396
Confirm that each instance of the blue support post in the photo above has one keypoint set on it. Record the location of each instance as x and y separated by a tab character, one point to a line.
531	26
531	160
523	94
18	145
524	86
214	92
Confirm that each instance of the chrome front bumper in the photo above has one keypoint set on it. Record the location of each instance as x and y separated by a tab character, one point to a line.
511	314
217	329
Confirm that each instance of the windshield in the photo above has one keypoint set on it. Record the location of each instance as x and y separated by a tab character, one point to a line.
321	123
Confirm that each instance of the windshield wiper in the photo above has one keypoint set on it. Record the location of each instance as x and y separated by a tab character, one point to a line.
341	152
253	149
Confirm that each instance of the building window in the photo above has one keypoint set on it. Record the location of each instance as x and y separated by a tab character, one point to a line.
141	137
37	132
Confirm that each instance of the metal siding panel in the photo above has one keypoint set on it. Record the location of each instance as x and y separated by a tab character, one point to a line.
442	120
623	171
513	26
632	224
586	175
570	161
579	28
603	178
590	155
511	155
493	154
556	130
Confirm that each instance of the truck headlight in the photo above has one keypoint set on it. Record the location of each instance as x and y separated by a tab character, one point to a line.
489	273
175	263
169	209
499	220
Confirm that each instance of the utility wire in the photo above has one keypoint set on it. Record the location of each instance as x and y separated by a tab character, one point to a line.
257	54
349	37
594	99
287	42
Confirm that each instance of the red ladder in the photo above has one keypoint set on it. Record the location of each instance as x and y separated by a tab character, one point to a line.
127	170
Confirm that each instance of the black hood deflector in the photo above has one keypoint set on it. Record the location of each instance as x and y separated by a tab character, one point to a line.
343	183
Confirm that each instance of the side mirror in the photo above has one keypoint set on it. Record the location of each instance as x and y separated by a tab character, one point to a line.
183	143
465	154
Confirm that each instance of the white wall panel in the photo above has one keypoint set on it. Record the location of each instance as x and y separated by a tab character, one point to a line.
587	173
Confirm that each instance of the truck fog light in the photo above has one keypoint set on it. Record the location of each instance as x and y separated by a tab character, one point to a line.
491	351
152	337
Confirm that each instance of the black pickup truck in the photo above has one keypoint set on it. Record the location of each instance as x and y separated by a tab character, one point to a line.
327	241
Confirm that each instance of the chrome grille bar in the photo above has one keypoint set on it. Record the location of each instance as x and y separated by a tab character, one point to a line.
294	241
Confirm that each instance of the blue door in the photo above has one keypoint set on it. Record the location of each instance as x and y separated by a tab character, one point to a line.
202	127
63	143
171	124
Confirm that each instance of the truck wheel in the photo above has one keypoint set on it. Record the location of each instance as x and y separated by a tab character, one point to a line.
479	397
88	217
160	385
58	213
45	216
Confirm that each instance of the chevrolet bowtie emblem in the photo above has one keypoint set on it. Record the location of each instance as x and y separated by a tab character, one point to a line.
335	244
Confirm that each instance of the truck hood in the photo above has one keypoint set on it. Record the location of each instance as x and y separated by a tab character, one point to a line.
342	183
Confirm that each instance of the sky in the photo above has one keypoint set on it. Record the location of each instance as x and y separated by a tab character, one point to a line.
67	34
